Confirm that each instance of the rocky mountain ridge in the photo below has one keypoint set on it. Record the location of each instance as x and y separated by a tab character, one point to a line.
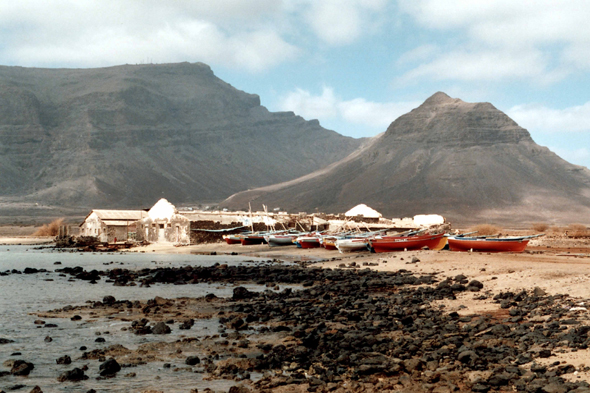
467	161
125	136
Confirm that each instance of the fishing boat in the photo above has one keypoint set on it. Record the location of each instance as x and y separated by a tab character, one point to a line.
489	244
350	245
307	241
280	239
252	238
329	242
232	239
402	243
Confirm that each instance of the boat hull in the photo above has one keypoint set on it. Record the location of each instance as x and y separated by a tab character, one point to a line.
232	239
488	245
308	242
329	244
278	241
393	244
251	240
351	245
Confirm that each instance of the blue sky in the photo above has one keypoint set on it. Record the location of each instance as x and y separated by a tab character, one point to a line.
356	65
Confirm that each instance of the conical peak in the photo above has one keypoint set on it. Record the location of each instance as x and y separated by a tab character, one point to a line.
442	120
440	98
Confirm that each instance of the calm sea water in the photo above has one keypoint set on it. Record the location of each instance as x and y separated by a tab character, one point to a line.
23	294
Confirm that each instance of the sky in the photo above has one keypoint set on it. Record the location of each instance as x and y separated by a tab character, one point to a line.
355	65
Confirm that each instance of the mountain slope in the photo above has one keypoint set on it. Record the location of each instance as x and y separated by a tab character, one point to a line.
125	136
467	161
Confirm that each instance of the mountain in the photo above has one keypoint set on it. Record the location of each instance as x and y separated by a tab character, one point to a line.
128	135
467	161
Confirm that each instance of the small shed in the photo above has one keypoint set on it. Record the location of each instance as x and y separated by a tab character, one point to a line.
364	213
111	226
163	224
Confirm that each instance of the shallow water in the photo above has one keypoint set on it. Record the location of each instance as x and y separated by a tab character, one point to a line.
22	294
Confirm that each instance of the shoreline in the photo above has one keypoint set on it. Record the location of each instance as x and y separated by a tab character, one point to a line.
341	296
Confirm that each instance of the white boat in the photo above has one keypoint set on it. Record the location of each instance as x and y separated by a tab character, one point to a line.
350	245
280	240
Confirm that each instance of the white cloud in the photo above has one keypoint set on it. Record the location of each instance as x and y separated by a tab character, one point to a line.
357	111
340	22
536	40
419	54
90	33
484	65
252	35
305	104
540	118
375	114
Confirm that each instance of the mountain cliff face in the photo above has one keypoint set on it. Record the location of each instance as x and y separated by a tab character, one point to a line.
467	161
125	136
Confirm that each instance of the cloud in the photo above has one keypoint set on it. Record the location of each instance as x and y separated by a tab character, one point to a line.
375	114
250	35
357	111
305	104
540	118
231	33
483	65
419	54
340	22
542	40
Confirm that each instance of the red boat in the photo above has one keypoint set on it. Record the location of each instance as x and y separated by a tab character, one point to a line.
248	240
509	244
232	239
402	243
308	241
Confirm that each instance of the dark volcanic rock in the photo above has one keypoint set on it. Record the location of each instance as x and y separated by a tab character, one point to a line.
109	368
72	375
192	360
242	293
64	360
161	328
21	367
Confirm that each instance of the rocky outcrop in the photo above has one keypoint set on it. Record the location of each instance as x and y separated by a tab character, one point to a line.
466	161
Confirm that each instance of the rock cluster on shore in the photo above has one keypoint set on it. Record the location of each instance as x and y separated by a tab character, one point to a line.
356	330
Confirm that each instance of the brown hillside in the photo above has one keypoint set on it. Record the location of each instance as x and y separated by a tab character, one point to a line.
467	161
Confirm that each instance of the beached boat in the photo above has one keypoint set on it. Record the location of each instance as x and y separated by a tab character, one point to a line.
401	243
329	242
252	238
486	244
280	240
307	241
232	239
350	245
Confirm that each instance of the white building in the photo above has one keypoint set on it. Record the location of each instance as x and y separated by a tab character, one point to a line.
111	226
163	224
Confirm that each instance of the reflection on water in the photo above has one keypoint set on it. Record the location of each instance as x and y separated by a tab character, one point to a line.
22	294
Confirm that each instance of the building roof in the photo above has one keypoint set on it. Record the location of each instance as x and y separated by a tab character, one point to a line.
363	210
131	215
119	223
162	210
